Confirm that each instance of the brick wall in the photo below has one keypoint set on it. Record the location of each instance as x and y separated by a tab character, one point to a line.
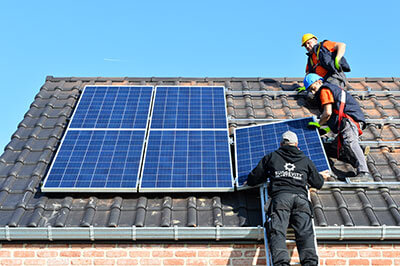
184	254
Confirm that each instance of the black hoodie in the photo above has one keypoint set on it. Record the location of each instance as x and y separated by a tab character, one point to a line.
288	169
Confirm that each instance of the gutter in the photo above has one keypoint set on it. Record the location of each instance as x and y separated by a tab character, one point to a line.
187	233
131	233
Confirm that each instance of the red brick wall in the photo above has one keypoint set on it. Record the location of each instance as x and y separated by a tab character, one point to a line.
184	254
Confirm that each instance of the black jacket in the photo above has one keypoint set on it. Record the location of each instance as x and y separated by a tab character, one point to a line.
288	169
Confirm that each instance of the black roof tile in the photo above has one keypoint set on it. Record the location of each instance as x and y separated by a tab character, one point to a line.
26	158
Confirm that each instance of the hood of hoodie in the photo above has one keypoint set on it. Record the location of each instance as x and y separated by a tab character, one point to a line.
290	153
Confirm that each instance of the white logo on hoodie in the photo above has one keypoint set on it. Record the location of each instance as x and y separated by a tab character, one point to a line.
289	168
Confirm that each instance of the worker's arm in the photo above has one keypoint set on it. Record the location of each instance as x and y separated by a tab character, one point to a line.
259	174
340	48
315	179
326	114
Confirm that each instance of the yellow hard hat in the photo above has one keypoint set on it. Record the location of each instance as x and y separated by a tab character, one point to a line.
307	37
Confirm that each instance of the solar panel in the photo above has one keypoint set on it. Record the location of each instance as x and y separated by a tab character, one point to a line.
187	160
189	108
97	160
254	142
113	107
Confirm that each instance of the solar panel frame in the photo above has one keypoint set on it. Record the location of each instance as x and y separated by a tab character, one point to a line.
89	189
94	189
240	186
188	189
77	108
177	86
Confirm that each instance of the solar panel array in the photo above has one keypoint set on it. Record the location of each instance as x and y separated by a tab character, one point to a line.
188	145
103	148
104	143
187	142
254	142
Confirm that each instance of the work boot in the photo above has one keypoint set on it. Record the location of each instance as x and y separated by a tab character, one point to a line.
362	177
367	149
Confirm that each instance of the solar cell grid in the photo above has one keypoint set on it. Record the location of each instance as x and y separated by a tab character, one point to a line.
252	143
189	107
91	160
113	107
187	161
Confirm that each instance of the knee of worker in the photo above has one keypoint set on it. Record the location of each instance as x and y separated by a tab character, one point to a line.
351	145
305	241
350	148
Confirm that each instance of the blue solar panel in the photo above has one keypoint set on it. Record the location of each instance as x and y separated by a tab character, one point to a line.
113	107
189	108
253	143
187	161
93	160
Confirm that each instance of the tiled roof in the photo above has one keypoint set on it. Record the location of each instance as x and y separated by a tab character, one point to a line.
26	158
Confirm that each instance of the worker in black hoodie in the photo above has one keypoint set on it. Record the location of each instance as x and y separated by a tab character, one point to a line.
290	172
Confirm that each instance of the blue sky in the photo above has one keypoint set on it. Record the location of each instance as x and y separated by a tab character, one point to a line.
181	38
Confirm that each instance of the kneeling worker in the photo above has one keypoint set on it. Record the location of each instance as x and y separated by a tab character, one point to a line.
290	171
342	113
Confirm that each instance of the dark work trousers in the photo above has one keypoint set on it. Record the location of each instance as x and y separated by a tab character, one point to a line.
351	152
338	79
295	210
351	145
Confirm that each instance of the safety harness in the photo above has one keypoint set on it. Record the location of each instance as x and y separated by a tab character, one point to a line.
325	59
341	114
318	62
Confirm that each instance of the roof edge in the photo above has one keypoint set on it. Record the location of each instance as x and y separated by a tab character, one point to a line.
154	79
188	233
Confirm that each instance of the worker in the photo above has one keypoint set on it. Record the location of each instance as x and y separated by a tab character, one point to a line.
290	171
343	115
325	59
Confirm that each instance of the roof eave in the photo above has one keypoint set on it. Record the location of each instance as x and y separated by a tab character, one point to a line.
187	233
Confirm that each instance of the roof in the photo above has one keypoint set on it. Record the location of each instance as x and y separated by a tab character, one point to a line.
27	157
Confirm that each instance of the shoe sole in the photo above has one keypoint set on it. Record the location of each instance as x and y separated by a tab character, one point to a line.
367	150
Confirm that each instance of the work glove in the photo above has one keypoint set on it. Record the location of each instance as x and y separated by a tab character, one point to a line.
300	89
312	125
337	64
321	130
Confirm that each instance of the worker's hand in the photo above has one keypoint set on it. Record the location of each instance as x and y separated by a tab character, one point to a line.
325	174
313	125
337	63
324	130
300	89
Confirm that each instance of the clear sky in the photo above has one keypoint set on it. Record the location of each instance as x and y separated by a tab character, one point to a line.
182	38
